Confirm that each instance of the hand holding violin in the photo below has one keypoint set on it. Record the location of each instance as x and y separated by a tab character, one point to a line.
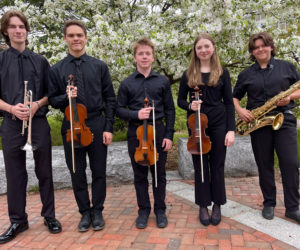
195	104
144	113
74	91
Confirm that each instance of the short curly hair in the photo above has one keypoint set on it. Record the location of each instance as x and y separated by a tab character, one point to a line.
268	41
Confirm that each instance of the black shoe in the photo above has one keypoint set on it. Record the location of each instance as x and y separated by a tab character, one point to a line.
216	214
141	221
97	221
161	220
268	213
13	230
85	222
53	225
295	215
204	216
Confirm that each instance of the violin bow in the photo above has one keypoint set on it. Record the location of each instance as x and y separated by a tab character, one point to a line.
200	135
154	142
70	81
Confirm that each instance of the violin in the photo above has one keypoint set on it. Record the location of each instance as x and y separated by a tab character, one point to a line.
76	113
146	153
198	143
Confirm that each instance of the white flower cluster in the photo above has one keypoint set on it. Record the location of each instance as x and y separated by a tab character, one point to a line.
114	26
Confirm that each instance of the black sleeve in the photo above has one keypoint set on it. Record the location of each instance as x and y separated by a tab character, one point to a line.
228	101
46	69
294	75
183	93
44	85
239	90
122	104
1	68
57	95
169	110
109	99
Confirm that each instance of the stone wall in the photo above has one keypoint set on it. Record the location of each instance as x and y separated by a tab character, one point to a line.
239	162
119	168
239	159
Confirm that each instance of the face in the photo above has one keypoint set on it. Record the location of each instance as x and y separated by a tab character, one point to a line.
16	32
144	57
204	49
76	40
261	52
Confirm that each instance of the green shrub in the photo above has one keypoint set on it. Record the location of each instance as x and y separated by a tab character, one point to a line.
55	125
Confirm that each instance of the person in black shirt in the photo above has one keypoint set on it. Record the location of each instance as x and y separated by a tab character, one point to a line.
216	103
146	83
96	93
263	80
18	64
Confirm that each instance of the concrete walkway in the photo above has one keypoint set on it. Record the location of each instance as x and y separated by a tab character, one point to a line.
242	226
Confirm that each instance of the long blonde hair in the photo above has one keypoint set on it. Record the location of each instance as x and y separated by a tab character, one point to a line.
194	70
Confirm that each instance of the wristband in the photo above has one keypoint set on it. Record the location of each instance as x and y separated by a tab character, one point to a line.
38	104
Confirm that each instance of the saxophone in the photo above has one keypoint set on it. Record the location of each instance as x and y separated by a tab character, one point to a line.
260	119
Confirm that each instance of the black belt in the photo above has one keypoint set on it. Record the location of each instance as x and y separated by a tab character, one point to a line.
138	123
94	114
9	115
290	112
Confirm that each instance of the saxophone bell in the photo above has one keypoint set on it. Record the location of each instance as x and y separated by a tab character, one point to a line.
275	121
261	117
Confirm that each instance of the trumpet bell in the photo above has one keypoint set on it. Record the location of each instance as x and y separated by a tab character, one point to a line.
28	147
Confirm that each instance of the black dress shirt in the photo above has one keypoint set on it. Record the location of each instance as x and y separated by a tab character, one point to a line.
99	92
15	68
263	84
133	91
216	100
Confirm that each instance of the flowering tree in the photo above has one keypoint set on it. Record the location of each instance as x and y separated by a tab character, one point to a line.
114	25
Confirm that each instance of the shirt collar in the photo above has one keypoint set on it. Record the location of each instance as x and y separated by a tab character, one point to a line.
71	58
25	53
137	74
270	64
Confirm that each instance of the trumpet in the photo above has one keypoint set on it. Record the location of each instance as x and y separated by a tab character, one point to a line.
25	123
28	98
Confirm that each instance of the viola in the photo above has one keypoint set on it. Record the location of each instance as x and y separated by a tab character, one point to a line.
146	152
81	134
198	143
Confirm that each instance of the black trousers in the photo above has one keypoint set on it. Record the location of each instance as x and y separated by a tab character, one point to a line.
97	153
141	173
213	188
15	166
284	141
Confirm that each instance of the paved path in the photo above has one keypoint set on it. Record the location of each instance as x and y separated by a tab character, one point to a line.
242	226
